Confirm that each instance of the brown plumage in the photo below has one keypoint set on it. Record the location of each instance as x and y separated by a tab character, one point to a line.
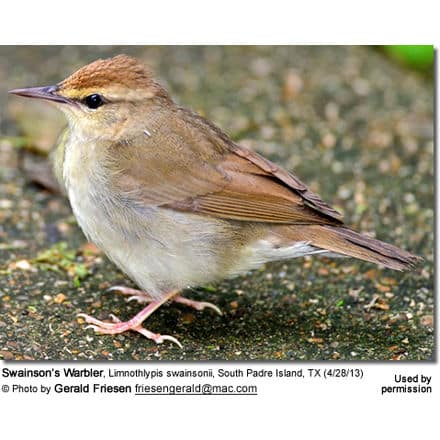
224	180
344	241
120	69
173	201
120	73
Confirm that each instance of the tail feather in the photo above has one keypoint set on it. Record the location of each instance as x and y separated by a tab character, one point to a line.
375	251
344	241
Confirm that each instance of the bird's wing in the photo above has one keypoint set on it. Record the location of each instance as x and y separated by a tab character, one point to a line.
199	169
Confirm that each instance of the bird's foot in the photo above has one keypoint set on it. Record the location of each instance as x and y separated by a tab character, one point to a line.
198	305
135	323
138	295
145	297
108	328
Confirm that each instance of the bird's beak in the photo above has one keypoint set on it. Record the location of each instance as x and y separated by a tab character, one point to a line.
49	93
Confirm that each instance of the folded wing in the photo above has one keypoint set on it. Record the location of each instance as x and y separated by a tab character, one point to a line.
201	170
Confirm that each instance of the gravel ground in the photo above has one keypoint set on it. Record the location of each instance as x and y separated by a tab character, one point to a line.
355	126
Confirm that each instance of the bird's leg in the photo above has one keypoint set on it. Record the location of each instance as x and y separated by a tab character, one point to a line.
134	323
145	297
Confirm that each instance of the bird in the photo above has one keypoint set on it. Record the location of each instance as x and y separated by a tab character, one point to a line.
173	201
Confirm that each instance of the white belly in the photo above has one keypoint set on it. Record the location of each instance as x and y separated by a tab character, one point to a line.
161	249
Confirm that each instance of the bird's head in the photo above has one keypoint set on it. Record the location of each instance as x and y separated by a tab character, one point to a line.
106	99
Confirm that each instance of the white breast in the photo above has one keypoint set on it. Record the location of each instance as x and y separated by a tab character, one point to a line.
157	248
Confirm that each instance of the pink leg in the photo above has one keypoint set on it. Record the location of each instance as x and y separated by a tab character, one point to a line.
144	297
198	305
139	295
134	323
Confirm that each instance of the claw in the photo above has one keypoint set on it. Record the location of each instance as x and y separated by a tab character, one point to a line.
143	297
212	307
135	324
114	318
169	338
140	299
138	295
198	305
157	338
95	322
116	288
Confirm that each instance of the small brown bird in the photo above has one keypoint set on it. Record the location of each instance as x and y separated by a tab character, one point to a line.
173	201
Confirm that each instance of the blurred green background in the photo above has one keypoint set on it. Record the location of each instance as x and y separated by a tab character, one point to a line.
418	57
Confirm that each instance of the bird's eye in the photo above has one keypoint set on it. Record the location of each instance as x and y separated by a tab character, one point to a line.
94	101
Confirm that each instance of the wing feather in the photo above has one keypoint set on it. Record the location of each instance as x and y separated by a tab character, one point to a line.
196	168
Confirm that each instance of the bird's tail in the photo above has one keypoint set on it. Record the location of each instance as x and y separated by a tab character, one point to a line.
344	241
